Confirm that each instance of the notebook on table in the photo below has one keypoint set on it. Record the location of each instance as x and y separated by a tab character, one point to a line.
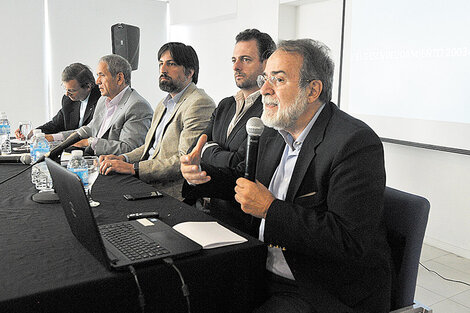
116	245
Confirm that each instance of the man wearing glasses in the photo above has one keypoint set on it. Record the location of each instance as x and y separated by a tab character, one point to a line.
319	191
122	116
78	102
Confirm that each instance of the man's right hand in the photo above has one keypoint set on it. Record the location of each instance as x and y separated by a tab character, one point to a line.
19	135
49	138
190	164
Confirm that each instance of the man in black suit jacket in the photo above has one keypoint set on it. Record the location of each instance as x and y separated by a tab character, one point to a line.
78	103
319	191
226	132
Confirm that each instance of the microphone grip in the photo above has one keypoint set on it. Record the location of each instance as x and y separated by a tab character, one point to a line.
251	157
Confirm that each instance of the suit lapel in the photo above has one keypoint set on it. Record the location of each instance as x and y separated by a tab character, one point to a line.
182	99
119	110
159	111
73	114
255	110
222	129
90	108
88	113
308	151
270	152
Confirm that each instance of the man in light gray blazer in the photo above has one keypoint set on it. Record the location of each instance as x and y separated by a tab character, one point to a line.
178	120
122	117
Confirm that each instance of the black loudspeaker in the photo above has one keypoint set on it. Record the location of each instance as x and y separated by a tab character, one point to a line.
125	39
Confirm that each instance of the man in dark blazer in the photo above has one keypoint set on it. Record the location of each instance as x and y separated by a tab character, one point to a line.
319	191
78	102
226	132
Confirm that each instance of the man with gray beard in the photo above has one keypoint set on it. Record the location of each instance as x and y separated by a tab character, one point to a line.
177	122
319	191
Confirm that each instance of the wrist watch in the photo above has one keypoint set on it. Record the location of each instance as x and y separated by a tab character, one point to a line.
136	169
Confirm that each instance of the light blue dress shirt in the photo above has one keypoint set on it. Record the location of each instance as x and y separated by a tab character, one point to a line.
275	262
170	104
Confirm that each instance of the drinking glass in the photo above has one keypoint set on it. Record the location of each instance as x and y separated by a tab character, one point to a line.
25	128
93	172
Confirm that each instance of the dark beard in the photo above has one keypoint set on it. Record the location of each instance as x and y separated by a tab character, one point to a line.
167	86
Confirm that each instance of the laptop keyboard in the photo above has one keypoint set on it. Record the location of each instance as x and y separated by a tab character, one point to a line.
130	242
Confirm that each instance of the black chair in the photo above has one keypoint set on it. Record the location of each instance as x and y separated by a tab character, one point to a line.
406	217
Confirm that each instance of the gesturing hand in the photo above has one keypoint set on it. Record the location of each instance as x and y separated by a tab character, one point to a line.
190	164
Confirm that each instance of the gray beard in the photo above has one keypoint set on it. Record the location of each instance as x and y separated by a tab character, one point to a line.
285	118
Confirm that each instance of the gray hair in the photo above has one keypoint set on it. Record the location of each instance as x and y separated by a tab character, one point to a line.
117	64
317	64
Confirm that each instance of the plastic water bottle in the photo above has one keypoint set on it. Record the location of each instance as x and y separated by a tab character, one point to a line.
78	165
42	177
32	152
5	134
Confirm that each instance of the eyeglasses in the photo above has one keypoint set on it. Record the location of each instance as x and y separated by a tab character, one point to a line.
69	91
273	81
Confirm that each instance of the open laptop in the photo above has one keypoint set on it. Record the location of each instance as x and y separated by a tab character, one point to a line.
137	241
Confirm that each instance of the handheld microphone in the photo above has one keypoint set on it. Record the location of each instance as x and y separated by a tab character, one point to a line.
24	158
83	132
254	128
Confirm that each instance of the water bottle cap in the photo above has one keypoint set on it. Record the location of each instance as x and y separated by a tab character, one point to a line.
77	153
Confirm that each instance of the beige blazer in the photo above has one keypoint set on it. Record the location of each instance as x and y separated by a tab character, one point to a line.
189	118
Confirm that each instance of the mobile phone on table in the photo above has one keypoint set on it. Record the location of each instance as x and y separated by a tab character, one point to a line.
143	195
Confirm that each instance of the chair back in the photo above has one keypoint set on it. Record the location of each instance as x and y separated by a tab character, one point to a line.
406	217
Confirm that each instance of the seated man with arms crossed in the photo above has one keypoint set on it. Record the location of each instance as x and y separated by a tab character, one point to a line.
122	116
177	122
78	103
319	190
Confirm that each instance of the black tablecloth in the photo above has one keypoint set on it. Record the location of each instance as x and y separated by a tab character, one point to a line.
43	268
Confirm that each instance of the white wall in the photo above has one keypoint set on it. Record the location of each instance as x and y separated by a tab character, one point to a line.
312	22
75	40
211	26
79	31
23	85
443	178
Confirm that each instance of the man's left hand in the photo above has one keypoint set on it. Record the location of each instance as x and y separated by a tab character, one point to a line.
82	143
254	198
118	166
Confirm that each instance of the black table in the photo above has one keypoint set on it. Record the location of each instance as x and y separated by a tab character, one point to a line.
43	268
